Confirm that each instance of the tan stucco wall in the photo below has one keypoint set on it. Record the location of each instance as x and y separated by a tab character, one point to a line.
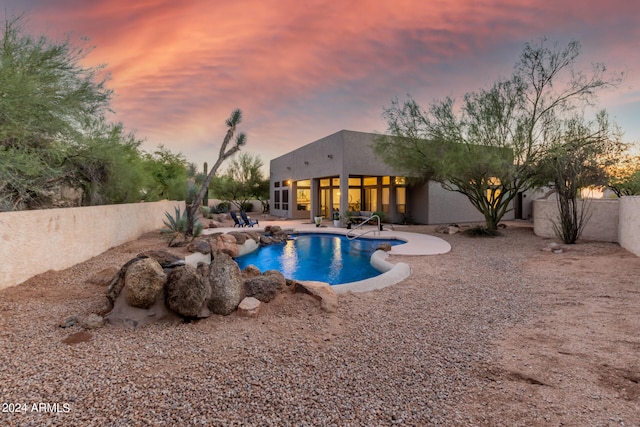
602	225
447	207
629	229
54	239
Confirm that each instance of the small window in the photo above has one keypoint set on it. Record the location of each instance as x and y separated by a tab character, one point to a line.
276	199
276	184
370	180
401	200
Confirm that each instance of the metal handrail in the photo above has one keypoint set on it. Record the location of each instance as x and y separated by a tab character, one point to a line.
351	236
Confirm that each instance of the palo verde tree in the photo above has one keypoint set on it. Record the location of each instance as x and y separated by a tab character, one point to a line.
226	151
241	182
624	176
47	98
54	133
488	146
578	156
169	172
105	163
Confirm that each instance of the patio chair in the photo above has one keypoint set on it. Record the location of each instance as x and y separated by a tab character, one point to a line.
238	222
248	221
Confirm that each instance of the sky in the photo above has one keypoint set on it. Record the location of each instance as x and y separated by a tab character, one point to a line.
301	70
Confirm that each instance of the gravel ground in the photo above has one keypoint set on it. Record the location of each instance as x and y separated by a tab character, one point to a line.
437	349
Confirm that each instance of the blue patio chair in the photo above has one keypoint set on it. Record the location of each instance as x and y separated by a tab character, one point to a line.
248	221
238	222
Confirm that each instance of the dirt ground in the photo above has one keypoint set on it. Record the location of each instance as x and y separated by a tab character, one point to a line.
574	356
579	355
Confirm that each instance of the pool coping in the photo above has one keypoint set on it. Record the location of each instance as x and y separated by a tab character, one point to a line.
392	273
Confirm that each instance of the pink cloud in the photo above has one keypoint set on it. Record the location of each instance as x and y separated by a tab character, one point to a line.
313	67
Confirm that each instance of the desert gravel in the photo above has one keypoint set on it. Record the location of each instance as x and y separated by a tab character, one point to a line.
404	355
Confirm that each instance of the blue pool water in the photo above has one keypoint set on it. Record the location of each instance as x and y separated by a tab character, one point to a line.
330	258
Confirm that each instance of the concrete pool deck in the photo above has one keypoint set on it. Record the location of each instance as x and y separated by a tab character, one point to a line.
392	273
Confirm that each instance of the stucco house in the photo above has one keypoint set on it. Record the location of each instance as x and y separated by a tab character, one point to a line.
340	172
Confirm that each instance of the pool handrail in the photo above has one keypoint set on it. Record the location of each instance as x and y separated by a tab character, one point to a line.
352	236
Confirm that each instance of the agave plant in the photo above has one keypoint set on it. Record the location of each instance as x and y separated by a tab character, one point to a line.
176	227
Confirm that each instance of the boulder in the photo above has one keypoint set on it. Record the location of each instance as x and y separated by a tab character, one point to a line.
143	281
266	240
321	291
187	292
117	282
253	235
226	284
199	245
276	275
278	234
384	246
214	224
197	258
239	236
92	321
69	321
249	307
226	243
448	229
103	277
164	258
251	271
265	287
272	229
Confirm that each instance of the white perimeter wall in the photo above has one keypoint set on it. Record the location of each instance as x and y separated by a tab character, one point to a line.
629	229
32	242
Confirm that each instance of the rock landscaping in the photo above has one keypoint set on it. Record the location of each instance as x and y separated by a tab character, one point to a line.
158	285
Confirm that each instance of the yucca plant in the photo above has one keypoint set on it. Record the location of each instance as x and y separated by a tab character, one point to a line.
176	227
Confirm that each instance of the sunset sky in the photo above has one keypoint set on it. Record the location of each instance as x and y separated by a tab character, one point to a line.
303	69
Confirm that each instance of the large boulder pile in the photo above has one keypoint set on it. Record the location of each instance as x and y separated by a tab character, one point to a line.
158	285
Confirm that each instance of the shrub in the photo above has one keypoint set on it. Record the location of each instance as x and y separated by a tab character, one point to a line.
381	215
481	231
246	207
205	211
223	207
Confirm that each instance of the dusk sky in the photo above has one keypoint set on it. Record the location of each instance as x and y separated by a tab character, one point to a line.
304	69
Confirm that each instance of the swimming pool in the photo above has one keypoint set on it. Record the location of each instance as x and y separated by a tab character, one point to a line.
323	257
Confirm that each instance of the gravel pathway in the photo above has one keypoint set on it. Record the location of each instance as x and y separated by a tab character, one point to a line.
403	355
